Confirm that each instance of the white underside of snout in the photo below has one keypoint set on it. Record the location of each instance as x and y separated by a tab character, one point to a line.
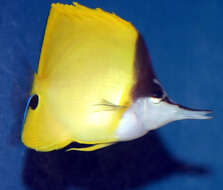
130	126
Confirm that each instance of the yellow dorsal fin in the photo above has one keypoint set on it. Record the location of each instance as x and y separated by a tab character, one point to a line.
80	16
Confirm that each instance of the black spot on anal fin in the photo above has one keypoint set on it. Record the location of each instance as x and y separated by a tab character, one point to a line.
34	102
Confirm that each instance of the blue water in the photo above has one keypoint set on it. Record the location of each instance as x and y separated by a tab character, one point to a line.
186	46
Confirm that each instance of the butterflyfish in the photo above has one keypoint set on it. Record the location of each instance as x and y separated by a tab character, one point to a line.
95	84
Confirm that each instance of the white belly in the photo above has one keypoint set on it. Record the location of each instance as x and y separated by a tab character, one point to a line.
130	127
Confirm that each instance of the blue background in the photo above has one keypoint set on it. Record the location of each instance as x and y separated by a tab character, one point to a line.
185	42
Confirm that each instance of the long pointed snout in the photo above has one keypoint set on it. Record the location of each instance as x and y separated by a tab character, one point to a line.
188	113
159	113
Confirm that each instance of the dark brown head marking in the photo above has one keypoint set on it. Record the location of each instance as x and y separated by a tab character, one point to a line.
146	81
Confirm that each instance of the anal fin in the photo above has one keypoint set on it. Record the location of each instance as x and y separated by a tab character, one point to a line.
91	148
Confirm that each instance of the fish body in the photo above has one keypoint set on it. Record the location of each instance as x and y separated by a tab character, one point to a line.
94	83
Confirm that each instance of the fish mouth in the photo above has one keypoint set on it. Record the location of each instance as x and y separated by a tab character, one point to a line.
190	113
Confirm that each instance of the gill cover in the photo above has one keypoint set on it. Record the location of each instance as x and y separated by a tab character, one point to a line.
87	56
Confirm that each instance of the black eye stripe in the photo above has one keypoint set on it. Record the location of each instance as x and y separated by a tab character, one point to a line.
34	102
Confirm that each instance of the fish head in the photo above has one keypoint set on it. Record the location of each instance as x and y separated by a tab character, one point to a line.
159	111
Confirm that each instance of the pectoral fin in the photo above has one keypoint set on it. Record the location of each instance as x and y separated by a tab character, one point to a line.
105	105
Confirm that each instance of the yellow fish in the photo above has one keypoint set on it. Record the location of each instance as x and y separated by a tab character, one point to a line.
95	84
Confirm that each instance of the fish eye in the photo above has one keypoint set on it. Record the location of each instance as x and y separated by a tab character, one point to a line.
34	102
158	93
